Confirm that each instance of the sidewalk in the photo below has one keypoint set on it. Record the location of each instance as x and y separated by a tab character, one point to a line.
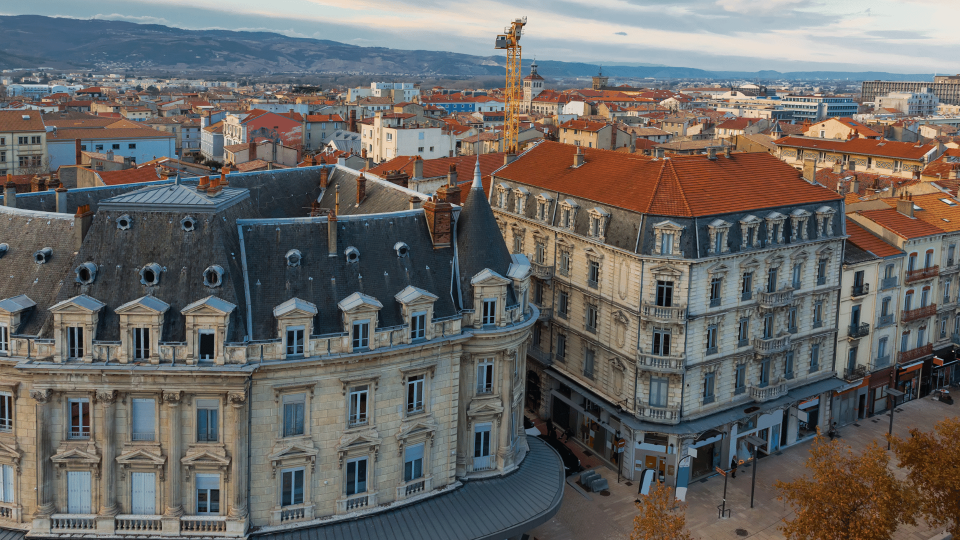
611	517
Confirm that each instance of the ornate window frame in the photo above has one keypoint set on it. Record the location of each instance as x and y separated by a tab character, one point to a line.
544	202
798	222
825	221
502	198
571	206
667	226
750	228
599	218
775	218
716	227
520	200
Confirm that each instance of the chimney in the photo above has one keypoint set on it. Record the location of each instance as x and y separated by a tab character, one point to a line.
855	185
361	188
726	152
61	199
38	183
578	158
77	146
712	153
353	121
952	175
439	216
324	177
224	181
204	183
451	192
81	224
658	152
10	192
331	234
905	205
414	202
214	188
837	167
251	151
418	167
109	155
810	170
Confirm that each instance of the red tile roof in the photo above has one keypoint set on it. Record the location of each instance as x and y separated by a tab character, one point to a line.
434	168
899	224
324	118
871	147
738	123
18	121
937	209
867	241
862	129
583	125
942	166
128	176
680	186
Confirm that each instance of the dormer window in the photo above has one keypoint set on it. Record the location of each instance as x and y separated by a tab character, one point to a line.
543	207
719	231
568	213
489	311
520	200
188	224
213	276
798	221
361	335
418	323
825	221
750	232
667	238
402	249
502	196
775	222
294	340
42	256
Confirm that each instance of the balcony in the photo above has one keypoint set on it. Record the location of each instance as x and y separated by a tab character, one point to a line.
660	364
414	487
857	291
922	273
881	361
542	271
663	415
9	512
909	315
291	514
538	354
857	331
777	299
355	503
855	373
73	523
663	314
888	283
821	280
546	313
766	347
952	266
885	320
205	526
766	393
138	525
914	354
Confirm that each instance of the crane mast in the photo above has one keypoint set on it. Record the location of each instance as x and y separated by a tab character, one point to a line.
510	41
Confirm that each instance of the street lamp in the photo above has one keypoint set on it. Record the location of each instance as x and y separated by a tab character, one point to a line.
757	442
891	393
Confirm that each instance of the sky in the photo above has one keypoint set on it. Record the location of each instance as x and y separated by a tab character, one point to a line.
902	36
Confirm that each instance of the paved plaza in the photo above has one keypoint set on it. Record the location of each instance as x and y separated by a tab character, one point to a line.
594	516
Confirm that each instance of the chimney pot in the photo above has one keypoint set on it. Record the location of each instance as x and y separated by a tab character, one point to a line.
905	206
10	192
712	153
331	234
361	188
578	158
204	183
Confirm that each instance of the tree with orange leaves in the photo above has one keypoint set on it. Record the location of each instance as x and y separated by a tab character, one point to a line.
933	460
658	520
846	496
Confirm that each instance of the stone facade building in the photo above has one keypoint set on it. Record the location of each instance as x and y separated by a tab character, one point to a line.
685	302
204	359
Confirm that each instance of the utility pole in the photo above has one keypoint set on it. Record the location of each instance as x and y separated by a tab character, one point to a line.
757	444
891	393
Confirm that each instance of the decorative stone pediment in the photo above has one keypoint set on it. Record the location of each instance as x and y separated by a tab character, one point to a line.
13	309
82	304
775	259
367	439
488	277
799	255
359	302
752	262
593	254
297	451
668	225
415	296
425	427
484	407
141	458
10	453
145	305
73	457
666	272
210	305
206	458
718	268
295	308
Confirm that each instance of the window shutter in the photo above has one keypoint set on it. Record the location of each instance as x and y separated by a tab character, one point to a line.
149	494
6	473
143	417
208	481
78	492
136	481
414	452
298	407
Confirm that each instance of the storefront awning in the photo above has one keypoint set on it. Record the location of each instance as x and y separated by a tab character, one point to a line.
939	362
911	367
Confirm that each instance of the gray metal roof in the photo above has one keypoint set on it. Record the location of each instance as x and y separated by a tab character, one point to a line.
489	509
10	534
174	198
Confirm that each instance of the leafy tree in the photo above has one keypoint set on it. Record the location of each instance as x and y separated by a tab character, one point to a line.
933	460
846	496
658	520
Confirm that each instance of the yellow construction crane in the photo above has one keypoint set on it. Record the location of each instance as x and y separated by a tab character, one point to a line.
510	41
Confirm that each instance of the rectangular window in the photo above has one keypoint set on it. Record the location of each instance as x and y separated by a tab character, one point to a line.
946	292
115	146
788	365
792	320
75	342
563	307
356	476
208	494
132	146
664	293
659	387
797	276
661	342
743	332
294	410
815	357
413	462
709	381
768	326
928	259
207	347
912	262
538	293
712	339
716	287
291	486
565	262
593	274
721	239
415	394
144	412
764	372
746	292
485	377
143	493
588	363
540	252
6	484
817	314
821	272
418	326
666	243
207	420
772	280
489	312
882	349
904	341
361	335
141	343
358	406
79	418
592	317
295	340
6	412
481	447
741	379
561	346
885	307
78	492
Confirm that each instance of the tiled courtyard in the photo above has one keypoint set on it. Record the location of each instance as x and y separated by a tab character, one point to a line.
594	516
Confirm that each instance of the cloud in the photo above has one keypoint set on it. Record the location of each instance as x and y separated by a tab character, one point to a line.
619	33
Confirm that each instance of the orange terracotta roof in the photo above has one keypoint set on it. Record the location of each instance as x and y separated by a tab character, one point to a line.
867	241
938	209
681	186
434	168
899	224
583	125
324	118
942	166
128	176
870	147
20	121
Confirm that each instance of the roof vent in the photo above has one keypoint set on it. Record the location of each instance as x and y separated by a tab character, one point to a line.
188	224
3	249
124	222
150	274
352	253
43	255
213	276
86	273
293	257
401	248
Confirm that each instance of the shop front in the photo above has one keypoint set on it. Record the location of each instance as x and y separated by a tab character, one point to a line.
709	450
879	383
943	373
808	418
850	402
908	380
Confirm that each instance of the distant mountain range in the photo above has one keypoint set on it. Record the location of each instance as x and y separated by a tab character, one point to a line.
33	41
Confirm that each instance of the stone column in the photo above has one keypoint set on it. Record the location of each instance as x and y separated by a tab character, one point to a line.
238	473
174	497
108	484
45	481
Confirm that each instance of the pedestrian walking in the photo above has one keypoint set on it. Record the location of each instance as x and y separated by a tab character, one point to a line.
733	467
